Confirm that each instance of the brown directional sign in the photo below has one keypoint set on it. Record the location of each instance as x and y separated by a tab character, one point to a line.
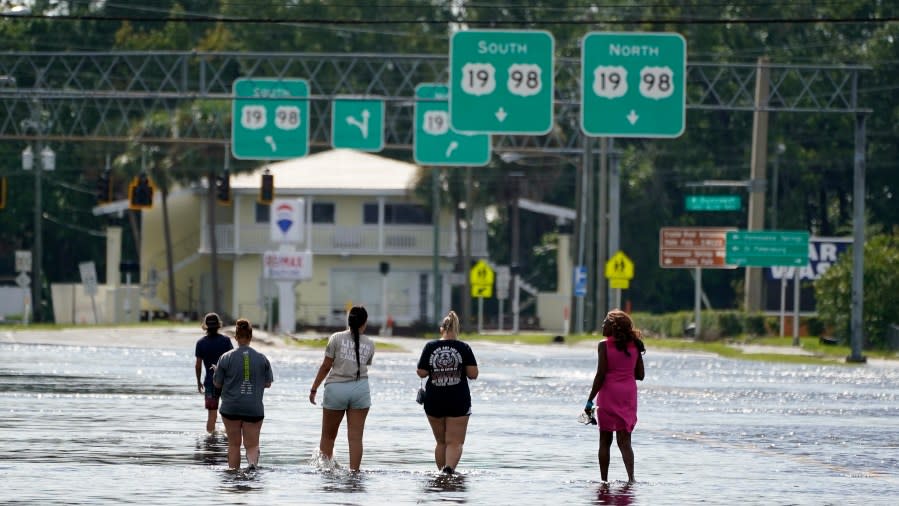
692	247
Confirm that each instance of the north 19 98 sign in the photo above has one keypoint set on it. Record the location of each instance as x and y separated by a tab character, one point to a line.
633	84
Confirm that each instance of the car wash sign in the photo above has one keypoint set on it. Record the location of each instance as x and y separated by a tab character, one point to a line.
287	265
287	220
822	253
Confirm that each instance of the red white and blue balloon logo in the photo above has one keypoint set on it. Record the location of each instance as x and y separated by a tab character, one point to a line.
284	217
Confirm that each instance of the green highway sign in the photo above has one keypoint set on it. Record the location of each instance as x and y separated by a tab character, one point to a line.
713	203
767	248
501	81
270	119
633	84
436	143
357	123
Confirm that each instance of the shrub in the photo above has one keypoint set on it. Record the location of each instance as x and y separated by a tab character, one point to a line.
833	291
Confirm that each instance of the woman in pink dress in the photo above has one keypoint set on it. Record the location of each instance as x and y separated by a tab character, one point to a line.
615	388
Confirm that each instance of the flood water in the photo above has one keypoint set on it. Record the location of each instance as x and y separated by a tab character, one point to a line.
112	425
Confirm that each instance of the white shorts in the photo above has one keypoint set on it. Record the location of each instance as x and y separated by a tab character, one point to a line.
347	395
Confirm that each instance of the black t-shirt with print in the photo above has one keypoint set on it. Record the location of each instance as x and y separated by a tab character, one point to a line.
446	360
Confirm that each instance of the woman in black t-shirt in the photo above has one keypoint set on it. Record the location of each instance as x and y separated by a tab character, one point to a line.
448	363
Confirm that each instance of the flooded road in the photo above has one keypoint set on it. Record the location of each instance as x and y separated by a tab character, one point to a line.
124	425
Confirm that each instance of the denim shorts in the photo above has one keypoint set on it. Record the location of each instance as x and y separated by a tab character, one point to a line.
347	395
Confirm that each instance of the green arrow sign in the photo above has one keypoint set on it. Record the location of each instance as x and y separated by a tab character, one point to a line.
435	142
501	81
713	203
633	84
270	119
767	248
357	123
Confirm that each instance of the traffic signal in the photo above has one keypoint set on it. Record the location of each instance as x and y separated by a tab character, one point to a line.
104	187
267	192
2	192
223	189
140	193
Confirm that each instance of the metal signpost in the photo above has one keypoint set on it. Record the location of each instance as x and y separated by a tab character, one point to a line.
503	278
771	248
357	123
501	81
580	291
694	248
436	142
270	119
633	84
88	271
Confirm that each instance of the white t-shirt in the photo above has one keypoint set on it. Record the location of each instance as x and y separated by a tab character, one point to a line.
342	349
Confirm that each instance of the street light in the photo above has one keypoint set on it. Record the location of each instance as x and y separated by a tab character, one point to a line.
48	163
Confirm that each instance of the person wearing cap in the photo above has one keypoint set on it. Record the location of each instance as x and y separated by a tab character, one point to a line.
208	351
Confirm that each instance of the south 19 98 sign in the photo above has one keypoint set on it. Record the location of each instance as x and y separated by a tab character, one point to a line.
270	119
501	81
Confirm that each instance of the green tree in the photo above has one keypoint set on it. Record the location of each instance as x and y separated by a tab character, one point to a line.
833	290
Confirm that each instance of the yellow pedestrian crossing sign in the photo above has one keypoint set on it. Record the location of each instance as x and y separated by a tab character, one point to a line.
481	279
619	270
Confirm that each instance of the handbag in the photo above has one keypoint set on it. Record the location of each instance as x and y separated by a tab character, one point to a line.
420	396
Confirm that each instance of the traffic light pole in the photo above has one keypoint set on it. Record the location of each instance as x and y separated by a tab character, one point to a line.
37	252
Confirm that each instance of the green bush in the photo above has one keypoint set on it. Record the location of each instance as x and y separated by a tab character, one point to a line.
833	291
715	324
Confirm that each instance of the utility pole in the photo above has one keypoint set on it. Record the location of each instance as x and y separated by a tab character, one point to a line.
758	162
435	218
602	229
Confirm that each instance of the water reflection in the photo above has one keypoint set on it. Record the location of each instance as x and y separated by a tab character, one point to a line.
242	480
122	428
613	494
339	480
212	449
446	483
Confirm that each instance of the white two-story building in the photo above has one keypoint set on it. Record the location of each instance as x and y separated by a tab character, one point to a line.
361	212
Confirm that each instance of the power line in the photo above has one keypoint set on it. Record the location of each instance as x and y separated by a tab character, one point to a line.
716	20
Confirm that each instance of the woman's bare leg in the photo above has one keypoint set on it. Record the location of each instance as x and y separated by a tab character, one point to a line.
355	421
331	419
456	427
605	446
627	452
233	430
250	433
438	427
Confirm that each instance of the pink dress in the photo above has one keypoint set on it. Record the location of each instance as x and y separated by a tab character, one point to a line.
616	402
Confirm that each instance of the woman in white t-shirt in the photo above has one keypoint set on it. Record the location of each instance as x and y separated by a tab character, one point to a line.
344	371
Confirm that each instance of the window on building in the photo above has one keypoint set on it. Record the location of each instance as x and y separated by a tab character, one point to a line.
263	213
396	214
323	212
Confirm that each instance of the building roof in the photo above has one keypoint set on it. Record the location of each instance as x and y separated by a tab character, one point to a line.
337	171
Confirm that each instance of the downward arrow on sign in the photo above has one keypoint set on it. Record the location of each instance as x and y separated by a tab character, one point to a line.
632	117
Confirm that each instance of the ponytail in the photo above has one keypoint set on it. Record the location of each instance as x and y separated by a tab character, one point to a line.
451	323
356	318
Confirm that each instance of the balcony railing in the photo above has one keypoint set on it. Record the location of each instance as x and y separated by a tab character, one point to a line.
400	240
